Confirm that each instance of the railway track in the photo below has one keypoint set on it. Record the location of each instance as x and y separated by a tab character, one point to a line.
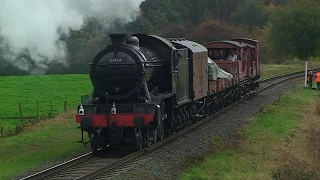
105	167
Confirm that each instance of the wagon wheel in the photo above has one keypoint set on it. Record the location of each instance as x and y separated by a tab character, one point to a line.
252	87
231	99
181	121
236	95
241	93
164	118
173	126
222	103
247	90
228	99
183	118
210	108
94	146
139	139
155	136
160	131
147	138
194	112
216	105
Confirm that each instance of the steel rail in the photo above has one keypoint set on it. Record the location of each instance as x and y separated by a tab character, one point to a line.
286	75
58	167
160	144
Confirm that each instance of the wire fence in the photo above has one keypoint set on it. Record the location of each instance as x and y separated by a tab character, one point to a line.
15	116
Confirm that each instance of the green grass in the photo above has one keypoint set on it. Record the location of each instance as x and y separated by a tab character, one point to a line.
256	155
269	70
45	88
41	143
7	122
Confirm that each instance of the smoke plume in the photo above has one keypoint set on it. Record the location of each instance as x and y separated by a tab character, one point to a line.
30	29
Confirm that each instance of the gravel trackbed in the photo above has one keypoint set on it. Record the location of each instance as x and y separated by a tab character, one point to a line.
167	162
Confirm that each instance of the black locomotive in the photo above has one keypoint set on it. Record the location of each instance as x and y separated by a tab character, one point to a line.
146	87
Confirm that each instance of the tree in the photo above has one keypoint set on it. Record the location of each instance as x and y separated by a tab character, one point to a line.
294	30
251	13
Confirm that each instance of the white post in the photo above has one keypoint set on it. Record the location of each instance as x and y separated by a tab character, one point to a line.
306	74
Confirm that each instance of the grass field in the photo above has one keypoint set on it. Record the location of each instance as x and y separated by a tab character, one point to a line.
274	146
269	70
30	89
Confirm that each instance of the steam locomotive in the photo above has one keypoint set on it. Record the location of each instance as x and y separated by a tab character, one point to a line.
146	87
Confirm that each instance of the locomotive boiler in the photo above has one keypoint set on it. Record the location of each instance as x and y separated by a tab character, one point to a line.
120	72
146	87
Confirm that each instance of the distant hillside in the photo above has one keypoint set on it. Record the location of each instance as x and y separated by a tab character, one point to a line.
201	21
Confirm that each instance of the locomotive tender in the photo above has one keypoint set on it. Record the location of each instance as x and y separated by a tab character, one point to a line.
147	87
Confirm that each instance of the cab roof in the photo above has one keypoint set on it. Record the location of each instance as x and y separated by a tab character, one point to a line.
191	45
227	44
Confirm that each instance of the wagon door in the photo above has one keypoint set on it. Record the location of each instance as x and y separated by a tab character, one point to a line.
200	75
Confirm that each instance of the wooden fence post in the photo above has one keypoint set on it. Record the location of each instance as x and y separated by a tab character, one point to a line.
65	106
17	130
1	131
51	115
20	109
38	110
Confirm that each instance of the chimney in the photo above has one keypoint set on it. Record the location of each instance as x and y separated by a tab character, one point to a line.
118	38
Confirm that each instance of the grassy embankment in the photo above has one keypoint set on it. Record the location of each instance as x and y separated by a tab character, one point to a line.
56	138
269	70
30	89
42	143
282	142
47	140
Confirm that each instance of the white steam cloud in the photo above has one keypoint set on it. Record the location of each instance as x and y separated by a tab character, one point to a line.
34	26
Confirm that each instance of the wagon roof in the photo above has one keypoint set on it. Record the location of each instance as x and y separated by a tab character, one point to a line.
234	43
193	46
247	39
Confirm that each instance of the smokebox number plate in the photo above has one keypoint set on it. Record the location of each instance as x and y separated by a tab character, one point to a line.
117	60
